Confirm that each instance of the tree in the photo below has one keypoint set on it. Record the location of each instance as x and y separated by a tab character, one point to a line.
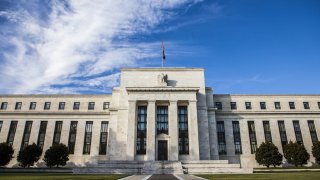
296	154
316	151
57	155
268	154
6	154
29	155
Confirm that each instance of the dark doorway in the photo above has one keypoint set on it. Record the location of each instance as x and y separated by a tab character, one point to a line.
162	150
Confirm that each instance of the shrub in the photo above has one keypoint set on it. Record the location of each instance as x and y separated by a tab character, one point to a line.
268	154
6	154
57	155
29	155
316	151
296	154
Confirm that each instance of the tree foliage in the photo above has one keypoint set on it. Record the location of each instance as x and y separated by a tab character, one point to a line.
29	155
57	155
316	151
268	154
6	154
296	154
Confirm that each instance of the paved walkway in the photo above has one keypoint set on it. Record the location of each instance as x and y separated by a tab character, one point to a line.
163	177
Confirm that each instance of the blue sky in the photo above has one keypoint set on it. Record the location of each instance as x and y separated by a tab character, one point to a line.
245	46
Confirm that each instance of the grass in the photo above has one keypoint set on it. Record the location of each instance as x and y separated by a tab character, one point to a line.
266	176
55	176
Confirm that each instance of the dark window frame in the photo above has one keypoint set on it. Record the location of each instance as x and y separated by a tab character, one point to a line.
236	137
267	131
106	105
222	146
292	105
248	105
162	120
91	105
76	105
42	134
87	138
47	105
33	105
233	105
57	132
283	133
218	105
183	130
1	124
252	136
141	143
12	132
319	105
277	105
103	138
263	105
4	106
313	131
297	131
26	135
62	105
18	106
72	136
306	105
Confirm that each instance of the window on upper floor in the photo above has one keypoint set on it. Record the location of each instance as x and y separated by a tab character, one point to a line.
219	105
18	105
292	105
47	105
62	105
248	105
91	106
319	105
106	105
306	105
4	105
32	106
76	105
277	105
263	105
233	105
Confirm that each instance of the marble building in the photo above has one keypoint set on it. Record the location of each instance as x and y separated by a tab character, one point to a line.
160	114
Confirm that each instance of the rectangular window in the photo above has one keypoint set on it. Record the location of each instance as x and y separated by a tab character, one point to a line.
277	105
252	136
42	133
306	105
91	106
292	105
141	145
76	105
313	131
32	106
4	105
18	105
47	105
57	133
233	105
62	105
283	134
236	137
106	105
297	131
162	119
1	123
26	135
263	105
267	131
248	105
12	132
219	105
183	130
319	105
72	136
221	138
103	138
87	138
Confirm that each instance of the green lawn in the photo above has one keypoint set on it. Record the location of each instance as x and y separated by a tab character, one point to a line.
48	176
266	176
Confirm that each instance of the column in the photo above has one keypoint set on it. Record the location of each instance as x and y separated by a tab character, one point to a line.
214	154
151	131
132	130
34	131
193	131
173	131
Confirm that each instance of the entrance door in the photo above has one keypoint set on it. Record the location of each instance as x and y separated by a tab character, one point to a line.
162	150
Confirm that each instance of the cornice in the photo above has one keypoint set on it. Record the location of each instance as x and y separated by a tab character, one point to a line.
163	89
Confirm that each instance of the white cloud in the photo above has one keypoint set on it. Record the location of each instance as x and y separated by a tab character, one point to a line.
81	39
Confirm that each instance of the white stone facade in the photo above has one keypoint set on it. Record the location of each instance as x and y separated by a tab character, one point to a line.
151	88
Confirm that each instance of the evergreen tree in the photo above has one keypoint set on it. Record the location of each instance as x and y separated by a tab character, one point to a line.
296	154
29	155
268	154
57	155
316	151
6	154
